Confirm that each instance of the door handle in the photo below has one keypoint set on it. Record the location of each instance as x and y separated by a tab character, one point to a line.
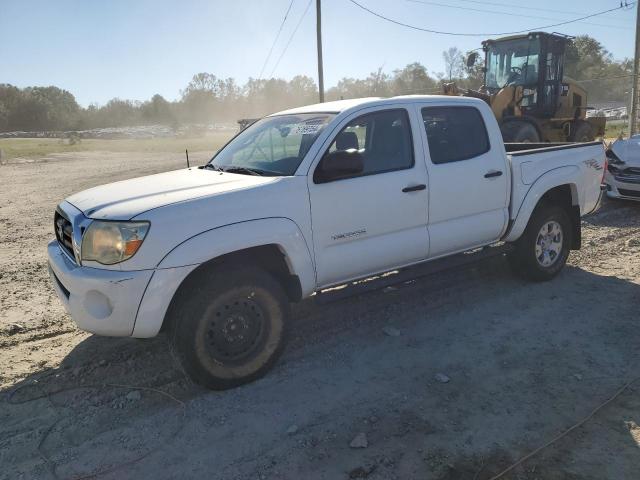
493	173
414	188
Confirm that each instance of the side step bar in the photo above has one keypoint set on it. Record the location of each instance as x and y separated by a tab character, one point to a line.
383	280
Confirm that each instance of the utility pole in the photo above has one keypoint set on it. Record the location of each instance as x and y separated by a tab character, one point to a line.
319	42
633	115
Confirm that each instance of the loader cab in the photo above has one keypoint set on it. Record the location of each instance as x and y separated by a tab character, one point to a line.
534	62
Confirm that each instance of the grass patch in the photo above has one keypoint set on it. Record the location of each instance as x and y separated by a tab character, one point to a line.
41	147
615	127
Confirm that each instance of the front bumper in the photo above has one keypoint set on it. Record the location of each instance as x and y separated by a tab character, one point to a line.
620	189
99	301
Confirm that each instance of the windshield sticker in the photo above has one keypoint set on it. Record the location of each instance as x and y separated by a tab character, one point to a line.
305	129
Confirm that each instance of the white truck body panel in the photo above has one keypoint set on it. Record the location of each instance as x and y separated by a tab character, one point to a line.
128	198
328	233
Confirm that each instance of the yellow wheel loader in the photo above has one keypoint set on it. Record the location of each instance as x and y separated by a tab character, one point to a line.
525	85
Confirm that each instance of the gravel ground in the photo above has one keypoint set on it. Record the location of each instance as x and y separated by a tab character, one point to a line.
452	376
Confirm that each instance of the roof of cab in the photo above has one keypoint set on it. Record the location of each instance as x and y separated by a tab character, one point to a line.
343	105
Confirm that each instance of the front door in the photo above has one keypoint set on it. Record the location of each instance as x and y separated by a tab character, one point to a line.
374	220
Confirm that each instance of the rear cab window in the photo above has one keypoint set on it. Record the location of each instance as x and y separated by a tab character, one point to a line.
455	133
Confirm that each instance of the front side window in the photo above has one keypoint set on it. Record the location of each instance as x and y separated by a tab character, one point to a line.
455	133
512	62
382	138
273	145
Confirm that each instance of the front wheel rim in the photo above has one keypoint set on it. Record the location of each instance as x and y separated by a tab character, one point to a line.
549	244
236	331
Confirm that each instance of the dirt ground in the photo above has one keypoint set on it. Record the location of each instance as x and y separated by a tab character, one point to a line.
523	361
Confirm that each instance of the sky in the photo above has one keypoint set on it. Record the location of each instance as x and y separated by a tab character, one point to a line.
133	49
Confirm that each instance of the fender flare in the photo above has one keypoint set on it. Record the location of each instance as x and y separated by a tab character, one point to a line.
222	240
555	178
176	265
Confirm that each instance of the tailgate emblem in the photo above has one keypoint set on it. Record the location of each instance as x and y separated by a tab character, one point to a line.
593	163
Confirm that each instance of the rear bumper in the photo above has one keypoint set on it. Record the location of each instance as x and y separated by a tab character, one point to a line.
603	189
99	301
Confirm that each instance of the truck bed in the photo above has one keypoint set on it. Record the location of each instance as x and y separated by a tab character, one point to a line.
533	162
517	149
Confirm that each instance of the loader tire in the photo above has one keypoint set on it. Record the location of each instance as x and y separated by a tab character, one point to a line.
581	132
519	132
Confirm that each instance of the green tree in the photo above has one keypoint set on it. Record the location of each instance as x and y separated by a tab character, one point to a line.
412	79
157	110
593	66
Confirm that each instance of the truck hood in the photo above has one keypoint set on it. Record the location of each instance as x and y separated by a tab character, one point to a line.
126	199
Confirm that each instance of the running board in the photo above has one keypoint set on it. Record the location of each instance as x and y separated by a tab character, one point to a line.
398	276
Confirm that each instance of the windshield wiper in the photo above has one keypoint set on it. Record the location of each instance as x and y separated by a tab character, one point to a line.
244	170
211	166
241	170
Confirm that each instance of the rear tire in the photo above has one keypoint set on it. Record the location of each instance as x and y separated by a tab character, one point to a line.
516	131
543	249
231	329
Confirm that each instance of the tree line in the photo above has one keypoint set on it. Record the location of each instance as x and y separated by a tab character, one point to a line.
210	99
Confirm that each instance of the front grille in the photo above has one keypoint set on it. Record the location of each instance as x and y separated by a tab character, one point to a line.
629	193
64	233
631	171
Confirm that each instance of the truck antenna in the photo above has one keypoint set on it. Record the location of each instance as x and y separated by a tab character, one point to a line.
186	152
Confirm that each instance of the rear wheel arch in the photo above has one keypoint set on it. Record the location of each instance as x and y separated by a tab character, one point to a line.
566	197
557	186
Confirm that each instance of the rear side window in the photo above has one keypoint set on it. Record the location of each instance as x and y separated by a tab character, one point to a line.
455	133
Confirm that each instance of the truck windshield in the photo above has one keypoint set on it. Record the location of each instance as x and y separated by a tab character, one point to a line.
512	62
271	146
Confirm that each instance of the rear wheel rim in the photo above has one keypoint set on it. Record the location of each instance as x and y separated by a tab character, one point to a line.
237	331
548	248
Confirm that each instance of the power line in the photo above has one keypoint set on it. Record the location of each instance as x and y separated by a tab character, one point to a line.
460	34
522	7
511	14
266	60
304	14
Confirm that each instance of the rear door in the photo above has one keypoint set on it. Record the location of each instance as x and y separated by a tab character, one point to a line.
375	220
468	177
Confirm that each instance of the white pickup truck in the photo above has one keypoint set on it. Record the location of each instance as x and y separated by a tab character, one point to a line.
306	199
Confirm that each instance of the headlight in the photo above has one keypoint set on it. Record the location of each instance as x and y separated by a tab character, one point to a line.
112	242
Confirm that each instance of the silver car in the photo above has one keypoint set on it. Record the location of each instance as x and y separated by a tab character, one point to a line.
623	172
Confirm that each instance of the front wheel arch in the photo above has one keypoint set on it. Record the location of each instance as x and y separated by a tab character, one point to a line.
232	327
268	257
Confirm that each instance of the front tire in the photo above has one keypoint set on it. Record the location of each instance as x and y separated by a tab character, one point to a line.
543	249
231	329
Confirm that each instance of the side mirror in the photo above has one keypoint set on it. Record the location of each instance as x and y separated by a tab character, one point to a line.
471	59
339	164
